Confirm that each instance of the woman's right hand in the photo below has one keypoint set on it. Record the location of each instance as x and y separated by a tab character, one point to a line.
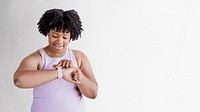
64	64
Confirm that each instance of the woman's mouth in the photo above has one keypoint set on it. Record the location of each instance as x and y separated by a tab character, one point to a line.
58	46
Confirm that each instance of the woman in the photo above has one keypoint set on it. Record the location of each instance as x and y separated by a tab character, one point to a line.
59	75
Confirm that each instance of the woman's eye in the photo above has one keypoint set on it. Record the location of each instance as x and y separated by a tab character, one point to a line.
55	36
65	37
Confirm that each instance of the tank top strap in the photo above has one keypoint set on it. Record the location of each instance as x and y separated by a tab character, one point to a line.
42	53
70	56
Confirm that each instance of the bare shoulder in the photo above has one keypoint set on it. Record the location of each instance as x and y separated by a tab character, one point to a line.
80	56
31	62
77	53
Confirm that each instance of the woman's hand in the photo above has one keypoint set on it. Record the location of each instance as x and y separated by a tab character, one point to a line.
72	75
77	75
69	72
64	64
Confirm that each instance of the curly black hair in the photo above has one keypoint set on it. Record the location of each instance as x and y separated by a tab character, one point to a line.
60	20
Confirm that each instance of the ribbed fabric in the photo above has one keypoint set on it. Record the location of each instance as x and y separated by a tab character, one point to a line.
58	95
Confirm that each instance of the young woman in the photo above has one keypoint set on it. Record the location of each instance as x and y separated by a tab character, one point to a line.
58	74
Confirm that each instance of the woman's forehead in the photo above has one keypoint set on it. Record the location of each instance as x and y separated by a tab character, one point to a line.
64	31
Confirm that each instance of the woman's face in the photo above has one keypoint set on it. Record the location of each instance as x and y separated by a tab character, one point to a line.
58	41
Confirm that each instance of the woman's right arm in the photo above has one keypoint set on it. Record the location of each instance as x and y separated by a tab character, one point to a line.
29	76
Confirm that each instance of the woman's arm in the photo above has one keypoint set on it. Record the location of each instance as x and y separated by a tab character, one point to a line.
88	85
28	74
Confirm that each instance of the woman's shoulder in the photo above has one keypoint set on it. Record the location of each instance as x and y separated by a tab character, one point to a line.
31	61
77	52
80	56
35	55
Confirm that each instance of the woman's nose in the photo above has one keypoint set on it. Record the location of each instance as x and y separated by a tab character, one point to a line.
60	39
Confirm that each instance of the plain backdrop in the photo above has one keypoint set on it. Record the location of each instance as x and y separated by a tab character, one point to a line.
144	53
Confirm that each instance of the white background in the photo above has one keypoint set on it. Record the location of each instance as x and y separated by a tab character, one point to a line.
145	53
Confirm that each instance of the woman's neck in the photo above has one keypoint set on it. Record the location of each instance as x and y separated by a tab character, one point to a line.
54	54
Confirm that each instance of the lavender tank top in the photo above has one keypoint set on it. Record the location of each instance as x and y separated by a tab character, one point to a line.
58	95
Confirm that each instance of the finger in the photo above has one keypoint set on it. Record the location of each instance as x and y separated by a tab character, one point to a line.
78	82
79	71
76	78
63	63
59	64
80	75
71	64
67	64
74	71
54	65
73	81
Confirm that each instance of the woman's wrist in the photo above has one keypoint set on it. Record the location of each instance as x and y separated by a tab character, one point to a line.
59	72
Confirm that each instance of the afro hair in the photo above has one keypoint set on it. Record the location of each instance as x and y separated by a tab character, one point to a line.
67	21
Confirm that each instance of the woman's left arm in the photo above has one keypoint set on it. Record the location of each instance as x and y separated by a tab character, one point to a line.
88	85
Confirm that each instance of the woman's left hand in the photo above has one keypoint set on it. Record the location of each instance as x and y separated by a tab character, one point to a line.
77	75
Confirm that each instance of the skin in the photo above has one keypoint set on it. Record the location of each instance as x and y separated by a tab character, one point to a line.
29	75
